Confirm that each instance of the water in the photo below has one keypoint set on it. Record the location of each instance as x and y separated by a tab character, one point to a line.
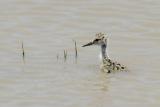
47	27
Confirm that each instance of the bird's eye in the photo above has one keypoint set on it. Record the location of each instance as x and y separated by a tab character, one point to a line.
96	39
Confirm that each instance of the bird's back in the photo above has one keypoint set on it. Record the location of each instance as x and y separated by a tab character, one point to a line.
112	66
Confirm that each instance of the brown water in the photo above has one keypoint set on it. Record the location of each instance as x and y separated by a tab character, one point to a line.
47	27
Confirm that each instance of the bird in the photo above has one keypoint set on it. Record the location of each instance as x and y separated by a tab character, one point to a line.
108	65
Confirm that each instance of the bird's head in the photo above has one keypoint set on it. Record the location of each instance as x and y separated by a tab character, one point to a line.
99	40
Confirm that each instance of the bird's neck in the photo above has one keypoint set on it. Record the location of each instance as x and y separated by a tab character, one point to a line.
104	51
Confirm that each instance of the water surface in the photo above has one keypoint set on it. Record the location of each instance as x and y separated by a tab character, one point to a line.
47	27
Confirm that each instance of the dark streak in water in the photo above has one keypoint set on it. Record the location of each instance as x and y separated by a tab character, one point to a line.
57	57
23	53
65	55
76	51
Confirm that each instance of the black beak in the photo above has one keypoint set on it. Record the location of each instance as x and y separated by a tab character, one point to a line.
88	44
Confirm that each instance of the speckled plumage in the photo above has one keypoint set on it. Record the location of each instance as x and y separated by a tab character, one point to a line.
111	66
107	64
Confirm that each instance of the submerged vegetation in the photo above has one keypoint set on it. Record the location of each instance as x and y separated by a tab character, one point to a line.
65	53
64	57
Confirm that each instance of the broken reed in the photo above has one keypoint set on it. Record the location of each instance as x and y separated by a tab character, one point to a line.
65	55
76	51
23	53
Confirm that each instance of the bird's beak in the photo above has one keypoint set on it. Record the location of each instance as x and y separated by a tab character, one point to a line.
88	44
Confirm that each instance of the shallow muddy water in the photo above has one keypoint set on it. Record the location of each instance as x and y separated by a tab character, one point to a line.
47	27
